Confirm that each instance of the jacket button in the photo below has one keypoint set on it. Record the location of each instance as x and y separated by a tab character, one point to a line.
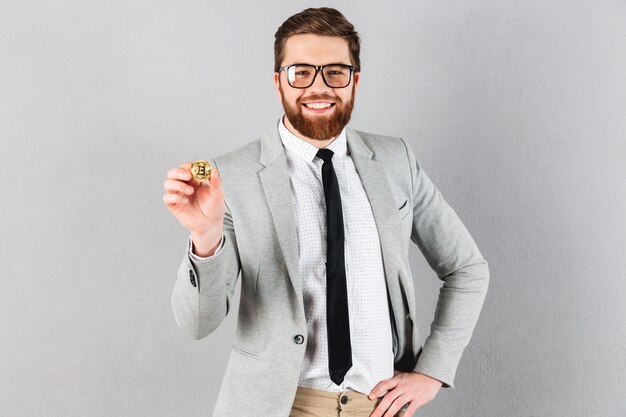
344	400
298	339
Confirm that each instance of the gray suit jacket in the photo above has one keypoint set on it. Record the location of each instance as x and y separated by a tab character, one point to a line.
261	245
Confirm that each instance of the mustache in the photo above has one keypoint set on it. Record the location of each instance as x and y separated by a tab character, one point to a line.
327	97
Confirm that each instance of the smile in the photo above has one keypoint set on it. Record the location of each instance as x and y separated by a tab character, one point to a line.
318	107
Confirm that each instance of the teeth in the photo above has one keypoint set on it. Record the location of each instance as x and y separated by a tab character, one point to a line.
317	105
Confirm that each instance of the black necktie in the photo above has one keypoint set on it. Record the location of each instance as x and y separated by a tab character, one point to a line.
337	322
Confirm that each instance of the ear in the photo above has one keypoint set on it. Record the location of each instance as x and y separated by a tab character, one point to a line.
277	85
357	76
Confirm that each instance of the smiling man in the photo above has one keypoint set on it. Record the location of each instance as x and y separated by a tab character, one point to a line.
316	108
317	219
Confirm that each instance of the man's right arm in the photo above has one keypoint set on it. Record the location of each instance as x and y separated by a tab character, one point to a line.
205	285
209	270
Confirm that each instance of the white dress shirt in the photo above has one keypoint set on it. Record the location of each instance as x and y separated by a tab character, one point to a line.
370	323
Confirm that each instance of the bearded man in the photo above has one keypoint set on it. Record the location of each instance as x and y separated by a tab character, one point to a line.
317	219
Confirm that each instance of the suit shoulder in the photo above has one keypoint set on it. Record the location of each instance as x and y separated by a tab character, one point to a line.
244	156
375	136
384	146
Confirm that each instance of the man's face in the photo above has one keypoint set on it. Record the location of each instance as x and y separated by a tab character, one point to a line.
318	112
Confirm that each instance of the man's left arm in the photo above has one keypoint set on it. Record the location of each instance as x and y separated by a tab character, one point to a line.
453	255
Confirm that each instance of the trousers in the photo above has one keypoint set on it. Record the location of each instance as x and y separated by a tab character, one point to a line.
315	403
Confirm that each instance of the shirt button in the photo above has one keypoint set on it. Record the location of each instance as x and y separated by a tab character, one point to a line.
298	339
344	400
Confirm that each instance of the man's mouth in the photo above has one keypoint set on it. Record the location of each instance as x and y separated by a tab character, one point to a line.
318	106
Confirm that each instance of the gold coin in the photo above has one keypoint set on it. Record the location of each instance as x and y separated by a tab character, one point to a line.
200	170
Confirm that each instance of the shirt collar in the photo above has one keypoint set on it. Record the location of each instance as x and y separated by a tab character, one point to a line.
305	150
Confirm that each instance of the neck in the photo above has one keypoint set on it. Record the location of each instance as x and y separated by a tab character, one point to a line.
318	143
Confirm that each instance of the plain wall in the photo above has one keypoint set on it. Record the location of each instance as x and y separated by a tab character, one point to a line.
517	111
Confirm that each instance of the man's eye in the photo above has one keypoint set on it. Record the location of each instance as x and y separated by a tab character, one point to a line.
302	73
335	73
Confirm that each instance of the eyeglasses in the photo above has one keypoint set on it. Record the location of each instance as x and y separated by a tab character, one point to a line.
303	75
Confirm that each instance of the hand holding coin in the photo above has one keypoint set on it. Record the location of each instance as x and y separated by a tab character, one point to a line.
197	204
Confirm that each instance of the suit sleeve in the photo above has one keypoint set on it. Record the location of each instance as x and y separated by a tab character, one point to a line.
453	255
205	286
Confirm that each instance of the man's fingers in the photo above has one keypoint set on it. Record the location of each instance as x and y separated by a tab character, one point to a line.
396	406
216	179
411	409
382	386
172	199
180	181
385	403
173	186
179	174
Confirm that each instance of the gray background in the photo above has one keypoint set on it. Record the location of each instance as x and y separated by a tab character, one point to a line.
517	110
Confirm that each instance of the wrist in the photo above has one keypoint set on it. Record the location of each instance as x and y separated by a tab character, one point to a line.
206	242
207	231
434	381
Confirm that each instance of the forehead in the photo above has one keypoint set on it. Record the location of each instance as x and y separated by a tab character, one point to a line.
316	50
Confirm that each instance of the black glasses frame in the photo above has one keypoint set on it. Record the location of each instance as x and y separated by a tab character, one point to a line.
319	68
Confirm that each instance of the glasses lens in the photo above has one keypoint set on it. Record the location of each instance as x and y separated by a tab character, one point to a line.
337	76
300	76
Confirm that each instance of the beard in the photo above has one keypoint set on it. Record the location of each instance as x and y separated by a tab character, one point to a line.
319	128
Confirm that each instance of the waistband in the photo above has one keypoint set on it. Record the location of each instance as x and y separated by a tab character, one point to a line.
344	400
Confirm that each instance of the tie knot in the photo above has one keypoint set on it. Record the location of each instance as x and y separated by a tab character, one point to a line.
325	154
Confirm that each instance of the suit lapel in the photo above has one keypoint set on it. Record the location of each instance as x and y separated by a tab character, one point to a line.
277	187
383	202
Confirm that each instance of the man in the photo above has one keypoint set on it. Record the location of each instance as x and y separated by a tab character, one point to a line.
317	219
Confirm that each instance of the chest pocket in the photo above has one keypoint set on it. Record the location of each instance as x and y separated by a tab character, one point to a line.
404	209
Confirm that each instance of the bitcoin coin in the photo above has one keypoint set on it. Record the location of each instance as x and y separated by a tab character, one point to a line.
200	170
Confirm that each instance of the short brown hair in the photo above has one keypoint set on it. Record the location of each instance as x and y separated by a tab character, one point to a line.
323	21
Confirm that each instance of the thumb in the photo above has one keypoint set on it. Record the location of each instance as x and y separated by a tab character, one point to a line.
215	183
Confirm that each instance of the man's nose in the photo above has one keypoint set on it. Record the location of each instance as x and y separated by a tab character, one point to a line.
318	84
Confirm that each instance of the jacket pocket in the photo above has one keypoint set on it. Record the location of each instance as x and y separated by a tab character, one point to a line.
245	352
404	209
